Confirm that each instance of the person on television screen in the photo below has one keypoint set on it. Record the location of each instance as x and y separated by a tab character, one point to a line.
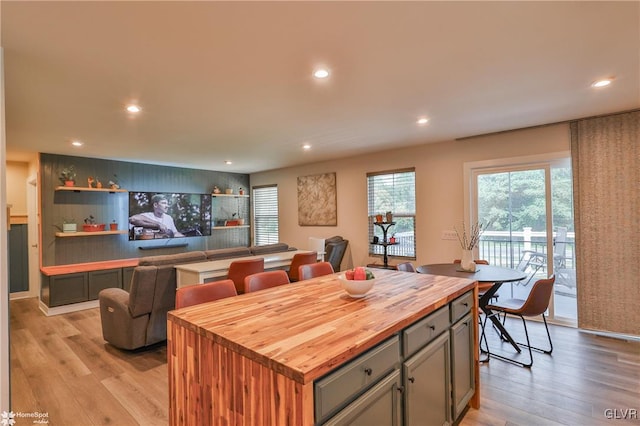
158	220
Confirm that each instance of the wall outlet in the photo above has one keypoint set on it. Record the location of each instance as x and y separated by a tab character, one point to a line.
449	235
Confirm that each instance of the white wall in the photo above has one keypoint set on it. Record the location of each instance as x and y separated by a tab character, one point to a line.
17	173
439	188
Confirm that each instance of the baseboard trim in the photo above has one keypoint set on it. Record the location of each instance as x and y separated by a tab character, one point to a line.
65	309
21	295
611	334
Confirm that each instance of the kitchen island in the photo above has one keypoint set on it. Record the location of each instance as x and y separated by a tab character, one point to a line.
283	355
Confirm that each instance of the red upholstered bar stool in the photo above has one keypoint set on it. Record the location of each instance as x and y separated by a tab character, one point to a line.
264	280
202	293
298	260
239	269
313	270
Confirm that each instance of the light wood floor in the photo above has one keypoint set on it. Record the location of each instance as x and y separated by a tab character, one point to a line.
61	366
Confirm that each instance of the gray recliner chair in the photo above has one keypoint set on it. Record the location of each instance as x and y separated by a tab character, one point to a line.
334	250
138	318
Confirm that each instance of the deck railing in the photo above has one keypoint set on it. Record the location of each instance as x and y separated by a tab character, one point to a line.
506	249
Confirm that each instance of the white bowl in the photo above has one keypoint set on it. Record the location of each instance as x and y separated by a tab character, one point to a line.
356	288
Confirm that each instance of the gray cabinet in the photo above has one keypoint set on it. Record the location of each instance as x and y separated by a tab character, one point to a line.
334	391
433	387
58	290
426	380
462	363
381	405
64	289
99	280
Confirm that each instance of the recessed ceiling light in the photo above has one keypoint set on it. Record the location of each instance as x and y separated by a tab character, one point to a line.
422	121
77	143
306	147
321	73
602	83
228	162
133	108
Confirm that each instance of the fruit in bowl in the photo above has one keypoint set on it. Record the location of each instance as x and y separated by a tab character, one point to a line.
357	282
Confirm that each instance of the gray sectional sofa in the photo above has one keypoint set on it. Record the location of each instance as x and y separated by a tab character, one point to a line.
138	318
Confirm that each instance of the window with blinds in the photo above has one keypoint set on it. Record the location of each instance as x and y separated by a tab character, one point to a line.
265	215
395	192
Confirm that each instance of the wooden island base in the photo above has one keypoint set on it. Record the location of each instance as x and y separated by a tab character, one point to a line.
258	358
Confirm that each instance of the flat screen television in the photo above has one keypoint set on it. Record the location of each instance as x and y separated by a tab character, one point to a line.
154	215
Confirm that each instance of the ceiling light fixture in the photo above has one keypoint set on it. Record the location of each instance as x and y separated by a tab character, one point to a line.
602	83
306	147
228	162
321	73
422	121
134	109
77	143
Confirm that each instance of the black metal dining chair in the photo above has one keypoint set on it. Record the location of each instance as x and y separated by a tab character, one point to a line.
537	303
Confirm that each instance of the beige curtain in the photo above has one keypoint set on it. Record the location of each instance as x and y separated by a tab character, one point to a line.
606	166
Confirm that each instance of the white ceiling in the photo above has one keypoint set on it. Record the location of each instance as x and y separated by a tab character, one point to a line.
232	80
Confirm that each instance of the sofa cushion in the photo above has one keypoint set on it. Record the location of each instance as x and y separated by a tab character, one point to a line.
173	259
269	248
143	287
227	253
164	300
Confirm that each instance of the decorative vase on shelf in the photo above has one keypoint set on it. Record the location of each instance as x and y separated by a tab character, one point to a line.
467	263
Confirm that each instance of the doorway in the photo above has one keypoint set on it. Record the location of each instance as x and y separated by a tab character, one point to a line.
527	211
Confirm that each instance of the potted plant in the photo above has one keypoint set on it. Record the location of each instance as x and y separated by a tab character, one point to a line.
113	183
468	241
90	225
69	225
68	176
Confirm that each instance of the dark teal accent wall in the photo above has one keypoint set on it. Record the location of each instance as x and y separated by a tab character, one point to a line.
106	207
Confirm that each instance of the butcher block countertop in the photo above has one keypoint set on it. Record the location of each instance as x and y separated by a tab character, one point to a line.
306	329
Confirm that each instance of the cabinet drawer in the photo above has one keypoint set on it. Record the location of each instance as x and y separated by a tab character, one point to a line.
338	388
424	331
461	306
380	405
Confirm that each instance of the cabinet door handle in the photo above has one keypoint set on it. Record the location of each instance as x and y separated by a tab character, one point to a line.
411	379
368	371
432	327
400	389
465	304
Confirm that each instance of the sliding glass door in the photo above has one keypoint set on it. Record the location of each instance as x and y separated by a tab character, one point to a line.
528	216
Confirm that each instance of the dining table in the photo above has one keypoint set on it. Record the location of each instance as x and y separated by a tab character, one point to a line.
484	274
